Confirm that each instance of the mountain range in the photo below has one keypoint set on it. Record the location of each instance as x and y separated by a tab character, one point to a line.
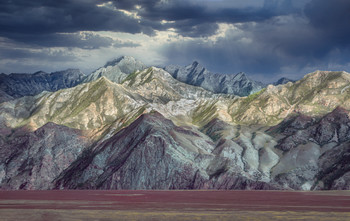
128	126
197	75
19	85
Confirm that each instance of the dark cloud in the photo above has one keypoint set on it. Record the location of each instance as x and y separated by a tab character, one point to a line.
43	55
318	39
331	20
128	44
21	60
21	20
227	55
291	44
62	16
191	17
84	40
271	36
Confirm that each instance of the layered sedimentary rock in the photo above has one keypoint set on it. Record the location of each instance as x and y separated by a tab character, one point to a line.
33	159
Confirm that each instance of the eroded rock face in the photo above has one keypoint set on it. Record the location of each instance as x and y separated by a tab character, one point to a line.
315	151
333	127
334	168
153	153
32	160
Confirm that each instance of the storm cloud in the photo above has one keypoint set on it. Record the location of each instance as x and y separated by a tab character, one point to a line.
21	19
266	38
290	44
51	16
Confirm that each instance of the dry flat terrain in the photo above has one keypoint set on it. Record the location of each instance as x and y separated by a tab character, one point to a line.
174	205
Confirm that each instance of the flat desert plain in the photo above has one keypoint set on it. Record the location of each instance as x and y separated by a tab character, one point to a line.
174	205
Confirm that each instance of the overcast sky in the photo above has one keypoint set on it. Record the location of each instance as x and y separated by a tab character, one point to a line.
266	39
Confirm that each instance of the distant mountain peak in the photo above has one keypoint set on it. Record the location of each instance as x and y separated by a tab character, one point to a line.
195	63
241	75
40	73
197	75
116	61
117	70
283	80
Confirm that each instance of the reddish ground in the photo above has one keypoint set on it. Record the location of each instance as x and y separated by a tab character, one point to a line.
196	202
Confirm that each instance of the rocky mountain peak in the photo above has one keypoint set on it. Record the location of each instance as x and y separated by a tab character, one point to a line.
153	118
114	61
101	84
195	64
40	73
158	85
197	75
103	80
241	76
122	59
282	80
117	70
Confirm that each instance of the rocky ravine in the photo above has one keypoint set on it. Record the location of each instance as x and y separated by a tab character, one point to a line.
151	131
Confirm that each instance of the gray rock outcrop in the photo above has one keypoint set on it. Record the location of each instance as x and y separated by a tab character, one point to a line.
197	75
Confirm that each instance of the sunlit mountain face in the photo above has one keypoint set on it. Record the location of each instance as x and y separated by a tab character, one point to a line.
128	125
